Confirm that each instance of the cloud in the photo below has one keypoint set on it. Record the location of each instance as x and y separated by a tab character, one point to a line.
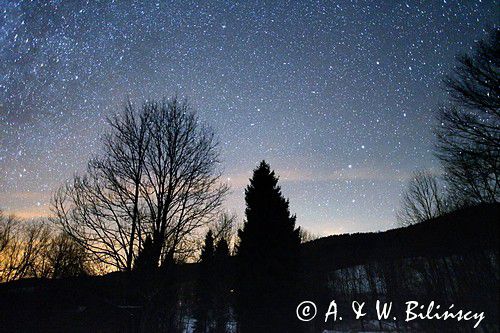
25	204
240	180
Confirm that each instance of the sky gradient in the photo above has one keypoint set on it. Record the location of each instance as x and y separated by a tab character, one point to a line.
338	96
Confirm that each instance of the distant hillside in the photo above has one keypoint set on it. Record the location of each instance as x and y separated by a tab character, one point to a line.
458	232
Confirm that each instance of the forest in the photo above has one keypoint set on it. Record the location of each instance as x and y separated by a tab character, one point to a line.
139	242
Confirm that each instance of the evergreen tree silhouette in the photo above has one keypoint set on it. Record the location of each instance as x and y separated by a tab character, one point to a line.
145	259
221	250
208	250
204	306
267	257
222	286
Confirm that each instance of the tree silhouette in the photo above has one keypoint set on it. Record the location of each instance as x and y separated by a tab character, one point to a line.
32	249
212	304
143	262
23	248
469	131
267	257
205	287
422	200
222	286
67	258
208	250
221	250
157	177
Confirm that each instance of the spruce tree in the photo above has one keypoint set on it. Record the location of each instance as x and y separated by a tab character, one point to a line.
267	256
222	286
145	260
221	250
207	252
204	304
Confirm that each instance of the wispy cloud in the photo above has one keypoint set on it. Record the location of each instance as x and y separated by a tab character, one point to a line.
240	180
25	204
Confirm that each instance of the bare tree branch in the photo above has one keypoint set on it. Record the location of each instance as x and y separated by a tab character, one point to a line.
158	177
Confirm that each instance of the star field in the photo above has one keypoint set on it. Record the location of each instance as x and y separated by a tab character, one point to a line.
337	96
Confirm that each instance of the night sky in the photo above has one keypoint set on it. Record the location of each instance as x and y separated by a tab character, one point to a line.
339	97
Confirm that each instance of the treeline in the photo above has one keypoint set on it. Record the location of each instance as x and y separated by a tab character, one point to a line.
34	249
469	281
467	140
462	231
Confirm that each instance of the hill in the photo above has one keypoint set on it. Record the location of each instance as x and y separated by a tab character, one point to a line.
459	232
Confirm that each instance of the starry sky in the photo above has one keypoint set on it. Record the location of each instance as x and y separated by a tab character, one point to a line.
338	96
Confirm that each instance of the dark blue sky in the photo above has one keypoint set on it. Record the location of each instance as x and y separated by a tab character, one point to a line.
337	95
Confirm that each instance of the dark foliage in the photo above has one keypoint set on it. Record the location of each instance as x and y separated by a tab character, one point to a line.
212	296
205	286
145	259
267	256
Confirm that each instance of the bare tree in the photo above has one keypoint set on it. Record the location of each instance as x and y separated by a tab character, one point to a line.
422	199
307	236
101	210
469	132
66	258
7	224
23	245
157	178
475	82
32	249
182	189
225	227
123	167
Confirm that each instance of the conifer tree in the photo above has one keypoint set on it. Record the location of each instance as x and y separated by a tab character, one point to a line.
221	250
207	252
205	286
267	256
222	286
144	261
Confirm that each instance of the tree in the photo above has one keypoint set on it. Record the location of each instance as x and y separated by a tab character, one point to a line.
23	248
182	184
157	177
221	250
8	245
225	228
66	258
205	286
212	291
469	132
32	249
422	200
143	262
222	285
207	253
267	256
101	209
7	224
123	167
307	236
